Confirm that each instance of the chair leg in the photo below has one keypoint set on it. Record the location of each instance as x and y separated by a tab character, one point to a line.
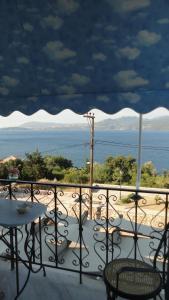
161	298
113	297
110	294
166	294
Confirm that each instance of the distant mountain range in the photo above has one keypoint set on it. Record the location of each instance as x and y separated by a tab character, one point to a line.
132	123
123	123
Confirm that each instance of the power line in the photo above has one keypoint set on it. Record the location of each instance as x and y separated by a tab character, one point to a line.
128	145
86	144
104	143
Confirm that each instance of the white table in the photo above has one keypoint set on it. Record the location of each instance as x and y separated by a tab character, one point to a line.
10	218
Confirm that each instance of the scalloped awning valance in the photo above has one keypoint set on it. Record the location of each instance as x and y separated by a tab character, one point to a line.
76	54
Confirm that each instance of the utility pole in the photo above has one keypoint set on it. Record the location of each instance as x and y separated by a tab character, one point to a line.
90	117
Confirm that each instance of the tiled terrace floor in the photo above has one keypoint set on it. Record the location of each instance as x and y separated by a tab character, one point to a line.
57	285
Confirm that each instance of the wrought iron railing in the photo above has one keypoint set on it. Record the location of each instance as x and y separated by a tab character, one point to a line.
71	239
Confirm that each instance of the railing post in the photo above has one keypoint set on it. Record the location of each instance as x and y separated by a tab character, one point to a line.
166	209
56	226
33	230
10	191
135	229
80	232
32	194
107	224
11	233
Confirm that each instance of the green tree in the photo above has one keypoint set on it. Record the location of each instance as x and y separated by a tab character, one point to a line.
56	166
17	163
9	165
74	175
148	174
101	173
149	168
3	171
121	168
33	166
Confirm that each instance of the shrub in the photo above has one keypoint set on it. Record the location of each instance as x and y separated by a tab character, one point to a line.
129	198
158	199
126	200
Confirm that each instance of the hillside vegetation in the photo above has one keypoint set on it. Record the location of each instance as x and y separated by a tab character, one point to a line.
115	170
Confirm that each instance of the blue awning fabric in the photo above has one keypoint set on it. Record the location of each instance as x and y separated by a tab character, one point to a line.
84	54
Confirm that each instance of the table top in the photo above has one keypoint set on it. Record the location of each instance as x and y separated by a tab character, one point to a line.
10	217
132	283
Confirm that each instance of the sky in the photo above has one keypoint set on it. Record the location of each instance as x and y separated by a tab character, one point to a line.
69	117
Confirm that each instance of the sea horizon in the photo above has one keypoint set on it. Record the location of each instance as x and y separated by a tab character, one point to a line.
74	145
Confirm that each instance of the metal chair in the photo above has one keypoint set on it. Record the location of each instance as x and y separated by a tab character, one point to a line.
135	279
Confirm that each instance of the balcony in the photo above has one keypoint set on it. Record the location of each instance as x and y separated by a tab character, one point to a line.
78	239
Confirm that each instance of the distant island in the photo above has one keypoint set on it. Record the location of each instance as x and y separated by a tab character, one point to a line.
123	123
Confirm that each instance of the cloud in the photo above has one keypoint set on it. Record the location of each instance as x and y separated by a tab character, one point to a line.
54	22
16	70
10	81
28	27
163	21
131	97
1	58
31	10
99	56
109	42
50	70
67	6
94	38
70	97
147	38
47	79
45	92
16	31
128	52
111	28
103	98
68	92
33	98
23	60
4	91
78	79
89	68
167	85
15	44
129	79
165	69
55	50
124	6
67	89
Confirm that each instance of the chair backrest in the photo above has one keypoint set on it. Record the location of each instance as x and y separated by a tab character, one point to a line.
162	255
163	247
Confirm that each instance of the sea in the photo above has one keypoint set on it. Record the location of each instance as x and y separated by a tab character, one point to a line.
75	145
